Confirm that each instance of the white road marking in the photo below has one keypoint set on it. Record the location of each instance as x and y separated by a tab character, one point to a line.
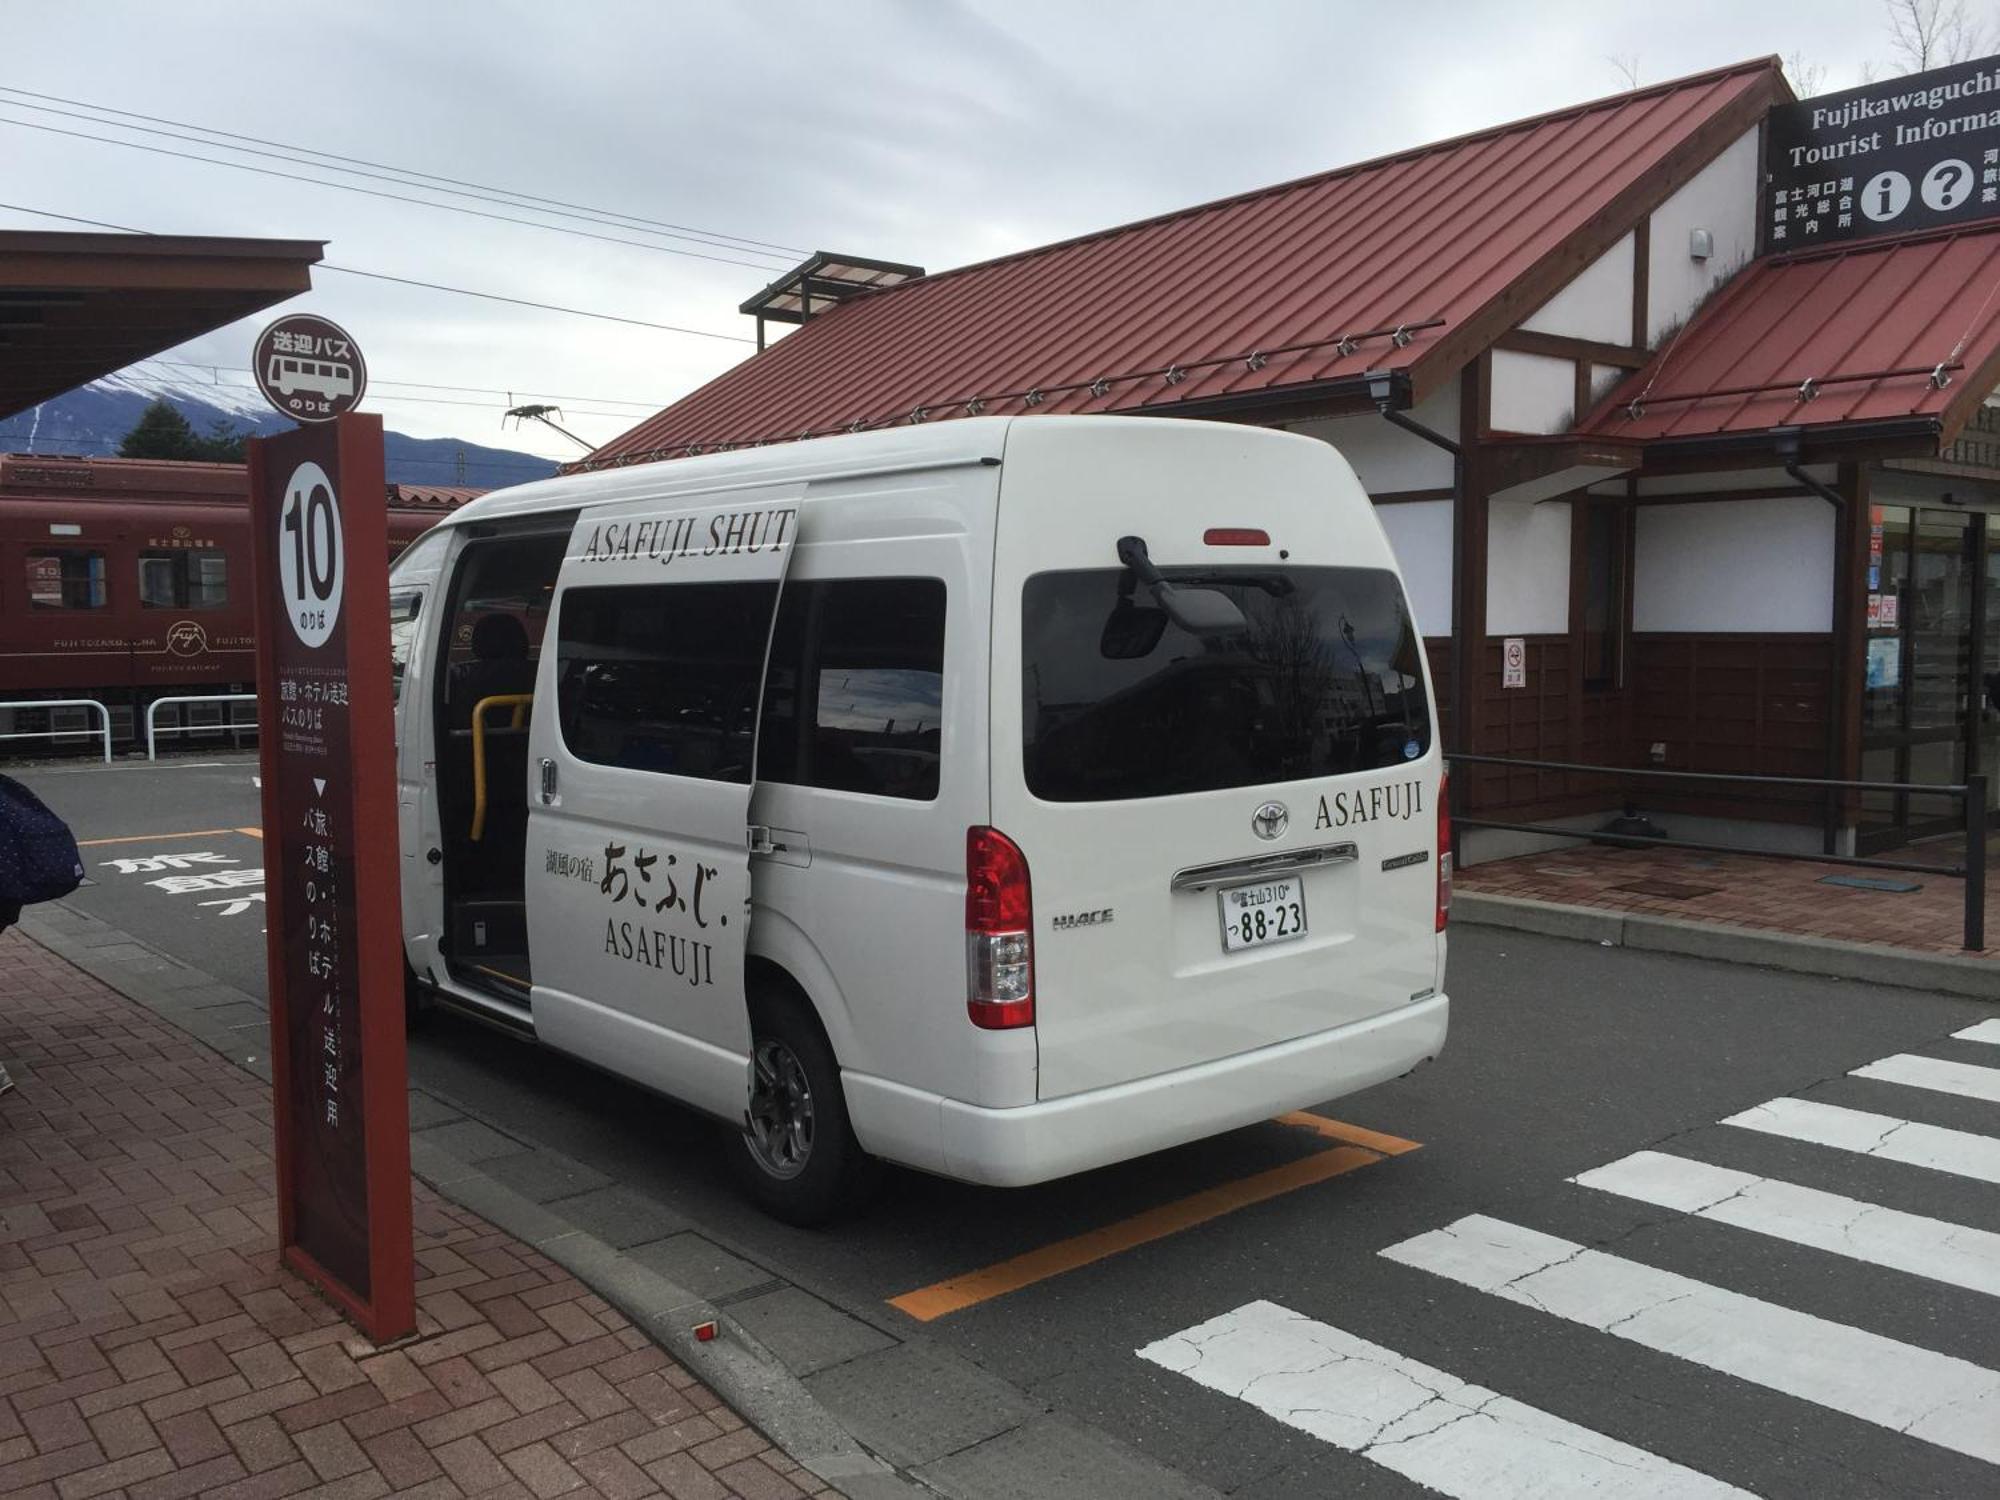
1958	1152
1941	1399
1942	1251
1985	1031
1421	1422
1935	1073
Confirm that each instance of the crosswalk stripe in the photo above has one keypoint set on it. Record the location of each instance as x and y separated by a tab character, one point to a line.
1986	1031
1952	1253
1936	1073
1908	1142
1421	1422
1936	1397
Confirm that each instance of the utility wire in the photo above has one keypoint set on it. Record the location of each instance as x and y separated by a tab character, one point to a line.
62	445
425	385
348	187
434	286
334	156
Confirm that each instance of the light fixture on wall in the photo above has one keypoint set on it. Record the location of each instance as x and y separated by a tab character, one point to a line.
1701	244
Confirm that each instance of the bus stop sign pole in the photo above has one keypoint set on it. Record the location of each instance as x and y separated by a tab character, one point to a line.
319	518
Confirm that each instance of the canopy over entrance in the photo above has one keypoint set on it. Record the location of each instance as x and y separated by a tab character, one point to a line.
77	306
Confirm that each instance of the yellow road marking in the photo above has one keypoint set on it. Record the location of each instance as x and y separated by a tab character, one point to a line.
141	838
255	833
1354	1135
960	1292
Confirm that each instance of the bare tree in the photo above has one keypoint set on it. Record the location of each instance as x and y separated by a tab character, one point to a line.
1626	64
1931	33
1806	76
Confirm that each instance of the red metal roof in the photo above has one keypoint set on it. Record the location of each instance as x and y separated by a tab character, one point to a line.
432	496
1440	236
1825	316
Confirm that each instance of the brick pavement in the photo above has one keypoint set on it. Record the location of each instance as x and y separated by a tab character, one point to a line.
1740	890
151	1347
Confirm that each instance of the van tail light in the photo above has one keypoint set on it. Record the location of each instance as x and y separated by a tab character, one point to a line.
1236	536
1444	849
999	932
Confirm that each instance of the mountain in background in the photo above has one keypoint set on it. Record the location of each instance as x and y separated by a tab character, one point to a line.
91	420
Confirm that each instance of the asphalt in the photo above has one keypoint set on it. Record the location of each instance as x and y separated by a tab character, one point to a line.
1564	1055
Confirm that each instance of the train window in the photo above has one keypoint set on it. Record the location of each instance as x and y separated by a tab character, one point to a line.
65	578
183	578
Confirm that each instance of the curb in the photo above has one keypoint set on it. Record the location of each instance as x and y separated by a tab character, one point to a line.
1977	978
869	1410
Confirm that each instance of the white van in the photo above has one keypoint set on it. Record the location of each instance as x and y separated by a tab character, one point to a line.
1002	797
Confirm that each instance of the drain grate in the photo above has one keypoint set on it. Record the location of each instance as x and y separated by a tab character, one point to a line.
1872	883
1672	890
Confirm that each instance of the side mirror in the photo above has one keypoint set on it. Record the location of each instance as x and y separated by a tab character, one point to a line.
1131	631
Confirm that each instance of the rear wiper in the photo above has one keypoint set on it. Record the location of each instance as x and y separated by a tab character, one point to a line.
1271	583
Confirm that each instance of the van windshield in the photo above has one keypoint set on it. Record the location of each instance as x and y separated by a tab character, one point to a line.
1120	702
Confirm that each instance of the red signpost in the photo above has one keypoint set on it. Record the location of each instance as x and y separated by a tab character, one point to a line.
339	1066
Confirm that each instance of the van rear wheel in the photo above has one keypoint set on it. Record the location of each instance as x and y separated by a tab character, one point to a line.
796	1155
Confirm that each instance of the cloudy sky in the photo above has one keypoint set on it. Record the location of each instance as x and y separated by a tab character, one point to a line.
930	131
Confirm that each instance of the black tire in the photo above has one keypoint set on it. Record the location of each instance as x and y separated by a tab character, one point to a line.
807	1172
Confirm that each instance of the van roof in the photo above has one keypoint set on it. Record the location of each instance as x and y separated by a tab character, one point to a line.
968	440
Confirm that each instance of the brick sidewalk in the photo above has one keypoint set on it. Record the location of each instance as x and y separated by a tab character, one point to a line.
150	1345
1740	890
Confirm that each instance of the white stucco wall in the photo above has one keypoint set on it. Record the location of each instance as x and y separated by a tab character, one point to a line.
1751	565
1721	198
1532	392
1386	458
1597	305
1527	568
1420	536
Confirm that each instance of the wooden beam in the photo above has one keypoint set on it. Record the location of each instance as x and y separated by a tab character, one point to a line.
1560	346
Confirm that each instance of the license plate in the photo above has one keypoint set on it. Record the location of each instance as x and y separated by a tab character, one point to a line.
1272	911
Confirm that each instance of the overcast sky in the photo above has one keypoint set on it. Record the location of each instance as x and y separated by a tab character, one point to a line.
912	130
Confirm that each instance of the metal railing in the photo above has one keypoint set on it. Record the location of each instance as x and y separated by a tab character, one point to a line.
44	734
153	731
1971	794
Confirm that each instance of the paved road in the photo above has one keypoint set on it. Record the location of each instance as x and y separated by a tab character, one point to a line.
1802	1301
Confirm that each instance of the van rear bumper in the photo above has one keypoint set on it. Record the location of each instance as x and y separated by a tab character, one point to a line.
1037	1142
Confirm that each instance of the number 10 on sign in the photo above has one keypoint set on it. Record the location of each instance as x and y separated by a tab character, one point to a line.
309	561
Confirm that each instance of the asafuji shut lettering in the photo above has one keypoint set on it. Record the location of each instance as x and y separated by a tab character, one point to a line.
665	539
1369	804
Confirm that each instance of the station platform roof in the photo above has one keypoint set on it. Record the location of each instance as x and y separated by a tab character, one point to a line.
77	306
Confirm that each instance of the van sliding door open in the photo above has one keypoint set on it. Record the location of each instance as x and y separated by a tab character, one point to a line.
640	769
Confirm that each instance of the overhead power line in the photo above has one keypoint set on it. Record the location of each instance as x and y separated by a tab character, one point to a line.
434	286
426	385
458	182
766	267
59	446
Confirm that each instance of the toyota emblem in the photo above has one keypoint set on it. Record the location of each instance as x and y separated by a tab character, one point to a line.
1268	821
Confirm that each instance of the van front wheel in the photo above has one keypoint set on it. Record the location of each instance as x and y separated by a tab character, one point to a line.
796	1156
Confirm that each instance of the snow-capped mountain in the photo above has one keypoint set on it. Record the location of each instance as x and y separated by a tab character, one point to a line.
93	419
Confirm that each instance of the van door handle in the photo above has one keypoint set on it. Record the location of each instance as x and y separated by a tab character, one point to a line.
548	780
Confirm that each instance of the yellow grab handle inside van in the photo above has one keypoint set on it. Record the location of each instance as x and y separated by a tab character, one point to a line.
519	703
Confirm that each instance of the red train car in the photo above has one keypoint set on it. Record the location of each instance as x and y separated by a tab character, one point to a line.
127	580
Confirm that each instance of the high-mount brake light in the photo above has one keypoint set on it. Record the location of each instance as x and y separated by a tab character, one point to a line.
1236	536
1444	850
999	932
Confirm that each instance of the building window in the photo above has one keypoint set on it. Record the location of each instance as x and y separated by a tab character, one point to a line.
65	578
1603	594
663	677
183	578
856	689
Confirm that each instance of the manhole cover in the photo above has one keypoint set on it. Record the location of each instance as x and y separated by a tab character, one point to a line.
1672	890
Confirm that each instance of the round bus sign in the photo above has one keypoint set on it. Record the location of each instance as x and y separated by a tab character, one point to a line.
309	369
311	571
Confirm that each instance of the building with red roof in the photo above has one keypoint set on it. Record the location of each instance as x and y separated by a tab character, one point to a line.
1683	446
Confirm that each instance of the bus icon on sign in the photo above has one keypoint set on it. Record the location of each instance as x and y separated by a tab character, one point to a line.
321	377
309	369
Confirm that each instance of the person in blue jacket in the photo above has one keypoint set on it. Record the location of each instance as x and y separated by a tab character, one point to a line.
38	860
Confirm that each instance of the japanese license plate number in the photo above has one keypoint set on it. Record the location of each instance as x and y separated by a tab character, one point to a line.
1272	911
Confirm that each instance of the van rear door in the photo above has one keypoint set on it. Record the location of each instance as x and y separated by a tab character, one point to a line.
641	757
1229	814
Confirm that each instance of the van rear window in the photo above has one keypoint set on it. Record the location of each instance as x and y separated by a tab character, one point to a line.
1321	676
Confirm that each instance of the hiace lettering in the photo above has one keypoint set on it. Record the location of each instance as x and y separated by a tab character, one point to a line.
684	957
1399	799
662	539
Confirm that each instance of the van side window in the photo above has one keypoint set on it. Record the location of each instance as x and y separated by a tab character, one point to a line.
856	687
663	677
